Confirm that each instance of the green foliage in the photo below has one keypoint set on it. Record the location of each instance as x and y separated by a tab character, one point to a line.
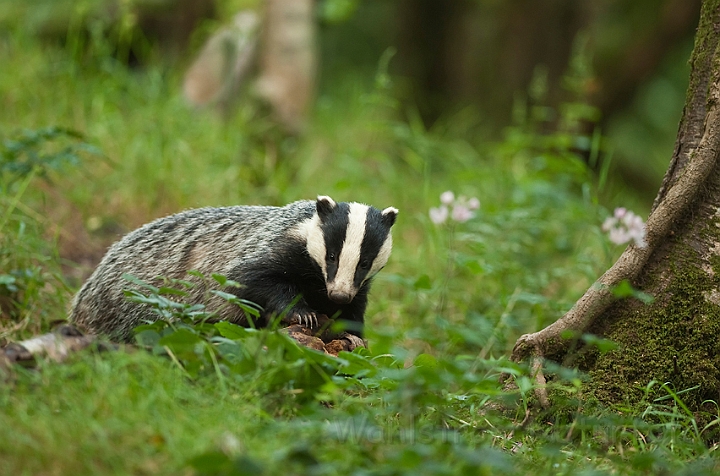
337	11
530	249
624	289
30	283
31	153
202	347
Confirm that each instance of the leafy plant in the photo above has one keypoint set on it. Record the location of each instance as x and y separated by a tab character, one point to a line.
201	346
37	152
30	281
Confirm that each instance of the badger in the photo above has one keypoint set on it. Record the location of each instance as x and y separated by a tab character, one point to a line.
305	259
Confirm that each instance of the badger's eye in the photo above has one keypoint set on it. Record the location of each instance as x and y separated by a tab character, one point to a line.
364	264
331	258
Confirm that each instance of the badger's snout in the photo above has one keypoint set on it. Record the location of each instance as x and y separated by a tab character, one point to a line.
340	297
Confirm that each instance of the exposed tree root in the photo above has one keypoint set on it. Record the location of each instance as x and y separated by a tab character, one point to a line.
540	391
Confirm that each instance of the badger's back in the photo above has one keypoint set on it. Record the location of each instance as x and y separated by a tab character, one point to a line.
208	240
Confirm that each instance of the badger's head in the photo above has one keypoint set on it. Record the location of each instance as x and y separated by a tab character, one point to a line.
350	242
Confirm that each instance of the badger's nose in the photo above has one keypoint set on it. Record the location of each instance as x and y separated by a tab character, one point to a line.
340	297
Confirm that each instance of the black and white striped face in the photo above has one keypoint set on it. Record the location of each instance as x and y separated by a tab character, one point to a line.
350	242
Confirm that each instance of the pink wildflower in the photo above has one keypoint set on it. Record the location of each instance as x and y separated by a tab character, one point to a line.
624	226
439	215
462	208
461	213
446	198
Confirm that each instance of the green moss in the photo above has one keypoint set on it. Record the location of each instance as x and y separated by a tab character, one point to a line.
674	340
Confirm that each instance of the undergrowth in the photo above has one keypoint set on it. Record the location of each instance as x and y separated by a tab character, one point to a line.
31	286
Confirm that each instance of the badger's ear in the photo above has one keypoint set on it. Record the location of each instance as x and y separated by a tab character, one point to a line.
389	215
325	205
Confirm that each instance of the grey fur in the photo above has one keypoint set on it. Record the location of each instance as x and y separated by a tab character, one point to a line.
210	240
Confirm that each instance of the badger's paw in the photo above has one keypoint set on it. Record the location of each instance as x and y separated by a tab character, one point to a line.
309	320
305	318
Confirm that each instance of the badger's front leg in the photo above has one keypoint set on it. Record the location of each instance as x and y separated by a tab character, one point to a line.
353	314
277	292
286	300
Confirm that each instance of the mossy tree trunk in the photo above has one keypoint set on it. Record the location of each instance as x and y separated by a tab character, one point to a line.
675	339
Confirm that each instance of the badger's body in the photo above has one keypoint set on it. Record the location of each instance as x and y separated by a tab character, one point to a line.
319	255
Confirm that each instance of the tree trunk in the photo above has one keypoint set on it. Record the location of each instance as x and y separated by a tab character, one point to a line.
488	52
674	339
289	60
485	52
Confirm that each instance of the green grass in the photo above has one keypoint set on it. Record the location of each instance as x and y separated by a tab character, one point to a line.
443	315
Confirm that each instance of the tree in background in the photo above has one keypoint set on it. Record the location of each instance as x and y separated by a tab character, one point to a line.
485	52
452	53
279	46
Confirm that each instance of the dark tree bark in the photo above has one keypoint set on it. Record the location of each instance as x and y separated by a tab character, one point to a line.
483	52
171	23
620	72
674	339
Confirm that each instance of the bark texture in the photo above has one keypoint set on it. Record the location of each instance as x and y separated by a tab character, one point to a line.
675	338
